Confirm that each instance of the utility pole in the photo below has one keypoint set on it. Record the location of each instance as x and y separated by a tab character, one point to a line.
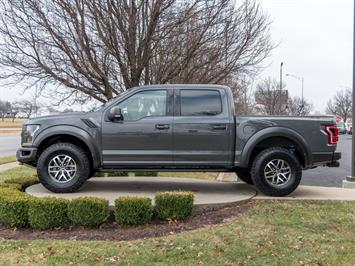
280	97
350	180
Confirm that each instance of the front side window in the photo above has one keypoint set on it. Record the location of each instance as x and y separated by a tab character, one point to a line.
200	102
144	104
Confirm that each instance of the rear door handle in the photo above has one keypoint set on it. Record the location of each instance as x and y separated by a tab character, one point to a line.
219	127
162	126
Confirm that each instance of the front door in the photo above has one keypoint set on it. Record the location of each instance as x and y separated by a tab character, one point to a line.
144	136
202	128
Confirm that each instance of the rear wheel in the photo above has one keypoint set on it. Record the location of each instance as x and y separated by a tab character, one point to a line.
63	168
245	176
276	172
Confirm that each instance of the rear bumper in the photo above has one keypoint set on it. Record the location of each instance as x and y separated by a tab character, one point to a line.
26	155
330	159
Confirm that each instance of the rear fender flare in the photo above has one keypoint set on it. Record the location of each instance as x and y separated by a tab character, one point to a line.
275	132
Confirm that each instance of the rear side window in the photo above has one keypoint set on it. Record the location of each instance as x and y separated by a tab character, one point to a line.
200	102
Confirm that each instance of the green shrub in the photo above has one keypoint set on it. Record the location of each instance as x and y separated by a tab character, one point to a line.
146	173
45	213
118	173
88	211
24	181
174	205
133	210
14	207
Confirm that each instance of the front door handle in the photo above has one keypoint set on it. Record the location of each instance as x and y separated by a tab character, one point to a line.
219	127
162	126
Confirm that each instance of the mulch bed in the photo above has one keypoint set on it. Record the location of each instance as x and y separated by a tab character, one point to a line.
114	232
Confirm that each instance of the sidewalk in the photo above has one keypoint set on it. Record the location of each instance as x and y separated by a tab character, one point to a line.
315	193
302	192
8	166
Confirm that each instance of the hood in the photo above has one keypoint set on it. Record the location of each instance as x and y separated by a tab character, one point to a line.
54	118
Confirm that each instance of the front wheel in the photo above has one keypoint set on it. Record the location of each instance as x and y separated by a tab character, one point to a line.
276	172
63	168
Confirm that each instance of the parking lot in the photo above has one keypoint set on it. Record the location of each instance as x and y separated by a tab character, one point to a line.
331	177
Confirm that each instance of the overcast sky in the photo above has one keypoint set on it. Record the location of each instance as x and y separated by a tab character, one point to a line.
315	42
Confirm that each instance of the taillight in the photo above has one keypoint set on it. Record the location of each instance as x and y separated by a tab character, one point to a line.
333	134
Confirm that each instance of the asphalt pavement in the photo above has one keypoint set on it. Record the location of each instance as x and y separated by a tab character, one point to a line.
331	177
9	144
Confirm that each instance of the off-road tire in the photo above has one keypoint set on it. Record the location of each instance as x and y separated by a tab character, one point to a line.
258	166
245	176
82	164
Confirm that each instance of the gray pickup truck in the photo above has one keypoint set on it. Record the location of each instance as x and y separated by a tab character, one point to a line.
177	128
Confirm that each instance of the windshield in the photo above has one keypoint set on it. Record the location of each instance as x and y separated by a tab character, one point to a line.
109	101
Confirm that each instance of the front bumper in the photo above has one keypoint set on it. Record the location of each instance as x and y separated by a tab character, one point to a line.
26	155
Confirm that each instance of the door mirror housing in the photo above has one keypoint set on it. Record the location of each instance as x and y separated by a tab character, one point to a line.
115	114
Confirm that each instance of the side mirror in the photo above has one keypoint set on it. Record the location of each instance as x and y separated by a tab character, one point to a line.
115	114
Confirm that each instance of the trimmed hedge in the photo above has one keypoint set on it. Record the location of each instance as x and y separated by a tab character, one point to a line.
14	207
24	181
46	213
88	211
16	187
146	173
174	205
133	210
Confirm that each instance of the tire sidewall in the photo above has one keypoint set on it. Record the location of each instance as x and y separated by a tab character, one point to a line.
82	170
260	181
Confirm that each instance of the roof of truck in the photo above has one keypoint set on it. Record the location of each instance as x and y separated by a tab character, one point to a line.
185	86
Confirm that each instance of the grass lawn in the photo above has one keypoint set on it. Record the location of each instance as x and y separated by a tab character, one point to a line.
198	175
7	123
7	159
270	233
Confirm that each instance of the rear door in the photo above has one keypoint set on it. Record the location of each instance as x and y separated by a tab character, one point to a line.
202	128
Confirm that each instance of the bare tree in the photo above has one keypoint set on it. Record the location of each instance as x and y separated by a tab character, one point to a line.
5	108
341	104
268	97
86	49
298	107
243	96
27	107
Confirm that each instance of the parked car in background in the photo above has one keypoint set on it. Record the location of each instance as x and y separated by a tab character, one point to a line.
177	128
341	127
349	128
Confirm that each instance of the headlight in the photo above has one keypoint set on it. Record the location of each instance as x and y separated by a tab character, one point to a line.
29	132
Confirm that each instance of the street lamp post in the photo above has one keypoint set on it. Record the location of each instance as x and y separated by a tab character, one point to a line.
350	180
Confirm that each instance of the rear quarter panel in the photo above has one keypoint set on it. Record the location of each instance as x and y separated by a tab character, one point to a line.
305	130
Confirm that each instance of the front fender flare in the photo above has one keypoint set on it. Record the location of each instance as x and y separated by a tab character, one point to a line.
72	131
275	132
